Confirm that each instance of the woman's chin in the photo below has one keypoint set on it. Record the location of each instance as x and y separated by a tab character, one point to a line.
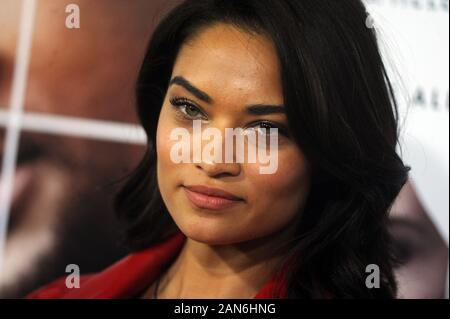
209	236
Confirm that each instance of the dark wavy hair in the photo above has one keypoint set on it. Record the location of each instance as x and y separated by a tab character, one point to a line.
342	113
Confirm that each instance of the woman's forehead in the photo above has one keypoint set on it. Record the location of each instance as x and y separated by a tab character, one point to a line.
223	58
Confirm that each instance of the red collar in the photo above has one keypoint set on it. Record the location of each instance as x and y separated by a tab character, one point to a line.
131	275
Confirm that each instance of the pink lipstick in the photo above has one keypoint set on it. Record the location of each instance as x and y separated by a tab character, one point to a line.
211	198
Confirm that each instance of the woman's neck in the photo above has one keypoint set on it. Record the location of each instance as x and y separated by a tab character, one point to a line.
224	271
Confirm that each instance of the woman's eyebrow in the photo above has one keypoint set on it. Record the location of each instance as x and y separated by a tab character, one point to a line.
265	109
181	81
256	109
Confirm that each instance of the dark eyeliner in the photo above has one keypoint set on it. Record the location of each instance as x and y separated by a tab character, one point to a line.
178	102
281	129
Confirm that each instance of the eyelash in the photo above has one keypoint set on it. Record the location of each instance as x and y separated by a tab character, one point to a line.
180	102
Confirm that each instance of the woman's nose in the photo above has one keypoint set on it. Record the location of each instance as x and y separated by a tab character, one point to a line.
213	169
223	165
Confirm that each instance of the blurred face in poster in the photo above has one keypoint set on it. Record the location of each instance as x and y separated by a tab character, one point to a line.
420	248
61	206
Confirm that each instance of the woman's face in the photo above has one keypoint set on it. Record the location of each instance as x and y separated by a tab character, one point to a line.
235	70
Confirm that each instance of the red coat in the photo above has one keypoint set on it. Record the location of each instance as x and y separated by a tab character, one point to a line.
131	276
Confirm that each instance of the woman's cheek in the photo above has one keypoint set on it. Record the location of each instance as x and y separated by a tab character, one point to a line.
163	140
166	168
287	188
163	145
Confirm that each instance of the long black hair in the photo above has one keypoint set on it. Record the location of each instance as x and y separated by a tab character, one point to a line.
342	113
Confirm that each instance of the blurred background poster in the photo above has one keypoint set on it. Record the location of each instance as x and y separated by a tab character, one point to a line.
77	136
69	134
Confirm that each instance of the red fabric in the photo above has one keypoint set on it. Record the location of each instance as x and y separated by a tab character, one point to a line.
129	277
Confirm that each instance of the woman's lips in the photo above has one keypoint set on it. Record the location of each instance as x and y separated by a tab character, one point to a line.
210	198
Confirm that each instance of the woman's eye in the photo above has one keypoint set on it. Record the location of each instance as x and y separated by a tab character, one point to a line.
187	109
190	110
264	128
